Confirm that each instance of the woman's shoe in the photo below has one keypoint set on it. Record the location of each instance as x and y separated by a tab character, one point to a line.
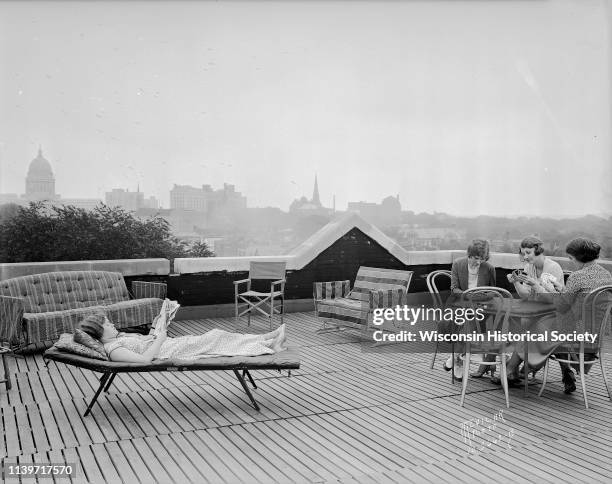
458	371
569	381
448	364
511	381
482	370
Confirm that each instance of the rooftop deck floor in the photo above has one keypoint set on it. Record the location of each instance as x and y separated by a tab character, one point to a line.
345	416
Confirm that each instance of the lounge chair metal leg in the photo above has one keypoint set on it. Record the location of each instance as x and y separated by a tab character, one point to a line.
246	389
248	375
103	380
110	381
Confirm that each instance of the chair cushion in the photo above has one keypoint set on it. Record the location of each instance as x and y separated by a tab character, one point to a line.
344	309
260	294
372	278
67	344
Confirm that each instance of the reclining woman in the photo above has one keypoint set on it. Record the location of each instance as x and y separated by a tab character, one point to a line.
468	272
135	348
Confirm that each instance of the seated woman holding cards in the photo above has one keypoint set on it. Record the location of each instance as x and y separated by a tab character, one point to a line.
135	348
539	274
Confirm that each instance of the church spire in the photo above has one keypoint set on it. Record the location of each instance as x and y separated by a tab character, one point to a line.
315	193
40	151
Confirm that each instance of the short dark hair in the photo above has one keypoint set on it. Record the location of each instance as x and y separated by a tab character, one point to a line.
93	325
532	242
583	249
479	248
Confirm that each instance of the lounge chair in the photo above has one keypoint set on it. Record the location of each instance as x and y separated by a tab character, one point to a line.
240	365
339	307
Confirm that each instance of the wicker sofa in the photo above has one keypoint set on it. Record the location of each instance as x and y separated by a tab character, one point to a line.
40	307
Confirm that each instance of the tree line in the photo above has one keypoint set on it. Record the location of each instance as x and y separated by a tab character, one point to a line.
42	232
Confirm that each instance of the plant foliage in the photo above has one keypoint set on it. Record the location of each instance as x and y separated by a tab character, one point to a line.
41	232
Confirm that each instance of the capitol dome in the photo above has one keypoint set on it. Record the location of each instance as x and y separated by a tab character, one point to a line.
40	182
40	168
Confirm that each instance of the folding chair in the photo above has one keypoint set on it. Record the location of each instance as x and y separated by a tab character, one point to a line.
267	303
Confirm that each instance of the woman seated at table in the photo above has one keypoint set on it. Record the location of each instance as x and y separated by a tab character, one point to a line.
539	272
588	276
135	348
466	273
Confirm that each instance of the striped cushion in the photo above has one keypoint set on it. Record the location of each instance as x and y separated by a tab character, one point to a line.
59	291
143	289
49	326
11	316
388	298
351	311
371	278
331	290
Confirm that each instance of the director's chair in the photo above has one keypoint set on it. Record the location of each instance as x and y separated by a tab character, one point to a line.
267	303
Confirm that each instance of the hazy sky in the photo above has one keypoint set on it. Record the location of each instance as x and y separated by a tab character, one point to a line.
498	107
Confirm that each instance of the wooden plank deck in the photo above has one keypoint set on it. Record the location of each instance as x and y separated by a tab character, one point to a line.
346	416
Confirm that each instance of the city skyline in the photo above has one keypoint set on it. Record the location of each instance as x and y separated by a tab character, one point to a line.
45	190
465	108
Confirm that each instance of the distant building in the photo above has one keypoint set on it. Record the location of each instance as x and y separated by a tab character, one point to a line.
186	197
40	186
386	213
205	199
186	224
11	198
195	209
429	238
40	182
84	203
304	207
130	201
228	199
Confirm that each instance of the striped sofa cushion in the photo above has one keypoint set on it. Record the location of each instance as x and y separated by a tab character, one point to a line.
49	326
59	291
370	279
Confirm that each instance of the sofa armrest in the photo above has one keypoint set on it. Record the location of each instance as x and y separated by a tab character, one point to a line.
143	289
330	290
11	322
388	298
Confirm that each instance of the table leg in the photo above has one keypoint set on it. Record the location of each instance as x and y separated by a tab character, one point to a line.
526	369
